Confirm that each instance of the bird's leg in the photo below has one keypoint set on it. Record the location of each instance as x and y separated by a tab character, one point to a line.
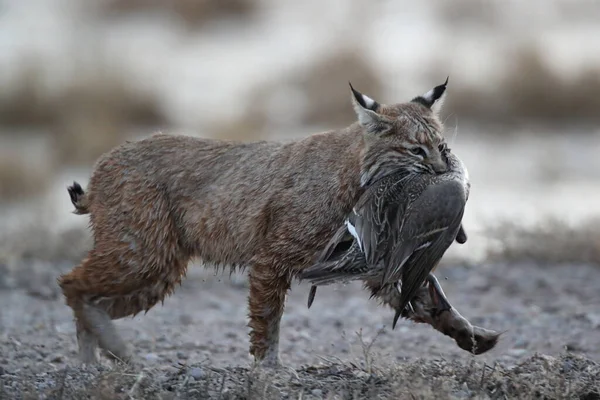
436	292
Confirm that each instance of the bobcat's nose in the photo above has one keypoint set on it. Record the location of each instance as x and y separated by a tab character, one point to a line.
439	166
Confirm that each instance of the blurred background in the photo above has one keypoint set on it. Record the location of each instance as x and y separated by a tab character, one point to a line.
523	105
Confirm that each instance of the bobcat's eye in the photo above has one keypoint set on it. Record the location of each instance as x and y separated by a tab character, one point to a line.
419	151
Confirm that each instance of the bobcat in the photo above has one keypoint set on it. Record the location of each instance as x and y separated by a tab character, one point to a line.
156	203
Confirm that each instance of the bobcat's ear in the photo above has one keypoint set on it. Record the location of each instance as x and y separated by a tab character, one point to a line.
366	109
434	99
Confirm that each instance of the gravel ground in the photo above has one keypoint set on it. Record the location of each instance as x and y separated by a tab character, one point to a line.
196	344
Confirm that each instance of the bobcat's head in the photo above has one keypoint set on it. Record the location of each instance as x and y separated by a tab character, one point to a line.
401	136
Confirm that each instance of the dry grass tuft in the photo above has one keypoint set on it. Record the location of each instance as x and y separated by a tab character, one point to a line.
554	243
529	90
194	13
540	377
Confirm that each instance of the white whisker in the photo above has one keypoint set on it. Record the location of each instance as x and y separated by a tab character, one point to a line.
455	131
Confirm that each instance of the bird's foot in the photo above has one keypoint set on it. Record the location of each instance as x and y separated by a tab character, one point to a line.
447	320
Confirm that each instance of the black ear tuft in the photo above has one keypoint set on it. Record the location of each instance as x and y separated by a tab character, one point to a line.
429	98
364	101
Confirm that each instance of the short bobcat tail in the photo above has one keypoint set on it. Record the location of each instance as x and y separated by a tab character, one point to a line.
79	199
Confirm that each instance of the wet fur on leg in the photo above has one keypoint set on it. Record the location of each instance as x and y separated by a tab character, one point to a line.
266	305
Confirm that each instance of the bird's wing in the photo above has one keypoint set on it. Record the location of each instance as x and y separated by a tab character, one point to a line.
340	241
377	213
423	260
434	215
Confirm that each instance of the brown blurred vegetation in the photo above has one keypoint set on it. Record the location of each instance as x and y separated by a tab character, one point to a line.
20	178
530	91
94	112
89	114
193	13
318	95
555	242
100	106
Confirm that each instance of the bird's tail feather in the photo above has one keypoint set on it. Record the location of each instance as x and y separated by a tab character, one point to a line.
346	268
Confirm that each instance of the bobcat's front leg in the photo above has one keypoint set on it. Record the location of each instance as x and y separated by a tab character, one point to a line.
268	290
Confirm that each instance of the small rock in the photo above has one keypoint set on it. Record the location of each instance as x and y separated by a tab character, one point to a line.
231	335
317	392
521	344
360	374
182	355
403	329
567	366
517	352
186	319
594	319
151	357
197	373
573	347
57	358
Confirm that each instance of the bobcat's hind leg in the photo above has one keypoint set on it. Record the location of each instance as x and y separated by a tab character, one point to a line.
99	294
266	303
94	324
87	342
100	324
